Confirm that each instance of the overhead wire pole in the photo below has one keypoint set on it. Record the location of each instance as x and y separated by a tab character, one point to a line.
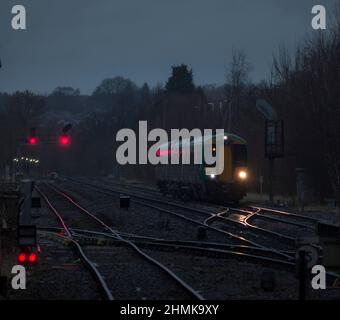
274	140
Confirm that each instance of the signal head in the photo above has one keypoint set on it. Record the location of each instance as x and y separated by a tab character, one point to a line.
64	140
32	140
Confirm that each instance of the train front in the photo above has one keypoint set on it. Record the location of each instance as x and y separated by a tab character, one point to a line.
231	184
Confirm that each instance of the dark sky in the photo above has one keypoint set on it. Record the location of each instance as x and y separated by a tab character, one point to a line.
80	42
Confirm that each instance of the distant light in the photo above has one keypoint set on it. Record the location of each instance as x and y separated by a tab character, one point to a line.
32	140
22	257
22	158
225	138
64	140
33	257
26	159
212	176
242	174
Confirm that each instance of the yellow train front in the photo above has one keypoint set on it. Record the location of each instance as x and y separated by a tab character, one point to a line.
190	181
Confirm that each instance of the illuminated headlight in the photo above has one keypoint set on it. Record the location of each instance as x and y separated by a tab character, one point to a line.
242	174
212	176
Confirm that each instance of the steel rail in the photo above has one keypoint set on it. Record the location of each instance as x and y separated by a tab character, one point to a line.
175	277
332	274
148	190
295	215
244	224
192	248
151	240
89	264
108	191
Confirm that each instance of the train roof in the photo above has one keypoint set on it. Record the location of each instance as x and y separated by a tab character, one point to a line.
200	140
235	138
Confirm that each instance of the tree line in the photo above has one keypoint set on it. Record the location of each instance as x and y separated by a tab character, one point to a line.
303	88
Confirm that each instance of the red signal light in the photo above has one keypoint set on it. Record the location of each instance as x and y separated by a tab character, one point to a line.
32	137
33	257
22	257
32	140
64	140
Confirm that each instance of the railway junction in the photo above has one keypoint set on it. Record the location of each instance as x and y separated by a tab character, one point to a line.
82	238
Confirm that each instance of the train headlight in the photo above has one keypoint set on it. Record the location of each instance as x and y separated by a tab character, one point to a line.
242	174
212	176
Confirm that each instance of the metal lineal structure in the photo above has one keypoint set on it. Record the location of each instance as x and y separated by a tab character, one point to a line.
274	139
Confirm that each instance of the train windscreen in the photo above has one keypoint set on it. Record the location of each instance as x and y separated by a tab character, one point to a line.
240	152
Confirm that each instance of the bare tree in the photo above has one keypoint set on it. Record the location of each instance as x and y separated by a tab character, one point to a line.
236	79
310	82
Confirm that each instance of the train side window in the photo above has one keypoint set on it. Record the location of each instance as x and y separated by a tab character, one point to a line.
240	152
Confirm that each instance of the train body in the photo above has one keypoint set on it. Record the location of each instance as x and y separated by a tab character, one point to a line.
190	181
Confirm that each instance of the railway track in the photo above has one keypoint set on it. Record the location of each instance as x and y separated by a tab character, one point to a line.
258	212
153	241
221	216
110	232
156	204
87	262
215	250
265	213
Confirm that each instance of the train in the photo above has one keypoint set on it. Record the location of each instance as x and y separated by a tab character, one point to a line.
190	181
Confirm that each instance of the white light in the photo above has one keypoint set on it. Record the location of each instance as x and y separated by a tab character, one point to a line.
26	159
212	176
22	158
242	174
225	138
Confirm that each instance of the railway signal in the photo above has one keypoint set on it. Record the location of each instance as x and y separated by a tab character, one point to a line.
32	139
64	140
21	257
27	257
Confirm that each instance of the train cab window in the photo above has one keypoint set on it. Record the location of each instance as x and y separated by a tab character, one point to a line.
240	152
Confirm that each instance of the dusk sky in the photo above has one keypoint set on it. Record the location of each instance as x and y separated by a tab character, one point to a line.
80	42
